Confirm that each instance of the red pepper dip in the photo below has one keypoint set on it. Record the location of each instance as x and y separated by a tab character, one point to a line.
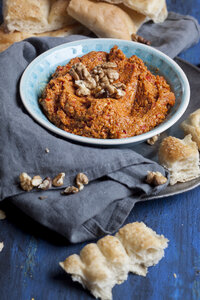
145	101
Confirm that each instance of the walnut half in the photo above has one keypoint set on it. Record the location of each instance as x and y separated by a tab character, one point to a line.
46	184
137	38
70	190
153	139
25	182
81	180
99	82
155	178
59	179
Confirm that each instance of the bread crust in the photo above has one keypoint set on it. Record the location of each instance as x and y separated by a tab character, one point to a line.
192	126
153	9
26	15
180	157
58	16
173	149
36	16
7	39
100	266
105	20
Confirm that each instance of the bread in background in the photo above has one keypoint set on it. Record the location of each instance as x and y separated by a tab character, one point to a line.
100	266
7	39
192	126
105	20
36	16
58	15
155	10
180	157
137	18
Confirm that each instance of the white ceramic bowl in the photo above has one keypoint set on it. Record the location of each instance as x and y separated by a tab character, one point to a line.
38	73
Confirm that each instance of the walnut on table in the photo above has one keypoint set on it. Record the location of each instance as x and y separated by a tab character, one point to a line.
36	180
137	38
58	180
46	184
25	182
1	246
153	139
81	180
2	215
155	178
70	190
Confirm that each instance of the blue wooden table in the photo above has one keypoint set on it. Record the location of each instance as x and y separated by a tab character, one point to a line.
29	261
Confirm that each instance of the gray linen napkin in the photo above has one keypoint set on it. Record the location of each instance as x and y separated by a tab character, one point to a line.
117	176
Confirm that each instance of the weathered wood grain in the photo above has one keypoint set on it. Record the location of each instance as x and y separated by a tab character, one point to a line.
29	261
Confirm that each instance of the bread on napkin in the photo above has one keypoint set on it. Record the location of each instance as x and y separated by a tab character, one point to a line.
36	16
192	126
105	20
7	39
180	157
153	9
100	266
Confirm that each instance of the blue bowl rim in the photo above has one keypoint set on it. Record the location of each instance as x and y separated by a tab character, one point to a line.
111	142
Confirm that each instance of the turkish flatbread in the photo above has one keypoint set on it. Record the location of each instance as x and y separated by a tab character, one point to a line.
7	39
105	20
35	16
153	9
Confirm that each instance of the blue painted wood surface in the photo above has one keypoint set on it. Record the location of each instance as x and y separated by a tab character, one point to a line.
29	261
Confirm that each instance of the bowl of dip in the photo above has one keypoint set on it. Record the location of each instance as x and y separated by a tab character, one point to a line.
141	93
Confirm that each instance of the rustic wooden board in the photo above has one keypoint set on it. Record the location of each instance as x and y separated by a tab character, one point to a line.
29	261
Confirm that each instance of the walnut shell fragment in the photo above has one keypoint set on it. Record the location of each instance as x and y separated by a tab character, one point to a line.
155	178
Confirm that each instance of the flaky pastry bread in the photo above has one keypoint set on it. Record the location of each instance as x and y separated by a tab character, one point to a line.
192	126
100	266
105	20
180	157
153	9
36	16
7	39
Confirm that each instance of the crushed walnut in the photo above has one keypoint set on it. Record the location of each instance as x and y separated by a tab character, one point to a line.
70	190
25	182
153	139
46	184
36	180
155	178
42	197
81	180
2	215
99	83
140	39
1	246
59	179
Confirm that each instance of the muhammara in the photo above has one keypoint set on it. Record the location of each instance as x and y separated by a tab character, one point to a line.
106	95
